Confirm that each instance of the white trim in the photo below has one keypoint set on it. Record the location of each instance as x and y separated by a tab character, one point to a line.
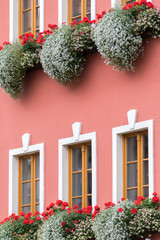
117	157
13	175
14	19
63	165
63	11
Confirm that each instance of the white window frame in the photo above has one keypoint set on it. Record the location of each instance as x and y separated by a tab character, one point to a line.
14	155
63	11
63	164
14	19
117	157
115	3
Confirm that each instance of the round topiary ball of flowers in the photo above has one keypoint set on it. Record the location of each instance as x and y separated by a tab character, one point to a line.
116	41
11	70
58	59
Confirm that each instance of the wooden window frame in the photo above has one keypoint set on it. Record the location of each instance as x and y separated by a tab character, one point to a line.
33	17
83	10
84	171
139	162
124	2
33	183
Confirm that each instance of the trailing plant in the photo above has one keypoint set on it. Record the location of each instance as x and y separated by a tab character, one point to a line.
116	42
58	59
11	70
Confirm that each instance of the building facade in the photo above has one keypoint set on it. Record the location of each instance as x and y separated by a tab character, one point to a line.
90	142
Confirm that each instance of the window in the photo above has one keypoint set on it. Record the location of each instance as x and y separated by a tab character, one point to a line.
29	183
123	2
135	165
78	9
29	16
80	175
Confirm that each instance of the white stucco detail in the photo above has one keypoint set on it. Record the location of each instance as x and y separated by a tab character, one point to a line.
76	128
13	175
26	141
63	165
132	117
117	157
63	11
14	19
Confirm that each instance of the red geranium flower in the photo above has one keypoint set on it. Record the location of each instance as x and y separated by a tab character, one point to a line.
22	213
120	209
150	5
154	194
68	230
136	4
31	221
155	199
38	218
133	210
63	223
59	202
25	221
143	2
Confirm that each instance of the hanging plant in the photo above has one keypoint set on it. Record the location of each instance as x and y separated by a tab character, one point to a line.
58	59
11	70
115	40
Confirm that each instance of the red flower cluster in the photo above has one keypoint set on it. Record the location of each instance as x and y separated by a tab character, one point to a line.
120	210
129	5
138	200
28	37
99	16
84	20
133	210
109	204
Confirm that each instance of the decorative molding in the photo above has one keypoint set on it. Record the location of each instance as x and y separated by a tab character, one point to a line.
63	165
76	128
13	175
117	157
132	117
26	141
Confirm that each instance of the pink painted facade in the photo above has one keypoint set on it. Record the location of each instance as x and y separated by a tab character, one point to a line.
100	101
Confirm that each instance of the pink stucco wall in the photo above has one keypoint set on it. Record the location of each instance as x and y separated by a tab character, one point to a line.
99	101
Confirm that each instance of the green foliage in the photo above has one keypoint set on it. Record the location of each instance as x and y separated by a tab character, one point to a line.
11	70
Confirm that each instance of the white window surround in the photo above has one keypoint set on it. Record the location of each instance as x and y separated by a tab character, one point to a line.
63	11
117	157
14	19
63	165
118	2
13	175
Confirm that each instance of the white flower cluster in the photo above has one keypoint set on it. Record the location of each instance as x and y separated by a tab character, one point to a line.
11	70
83	230
145	222
110	224
6	231
115	40
52	228
57	58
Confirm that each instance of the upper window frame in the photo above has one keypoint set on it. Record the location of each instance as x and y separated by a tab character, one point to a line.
14	19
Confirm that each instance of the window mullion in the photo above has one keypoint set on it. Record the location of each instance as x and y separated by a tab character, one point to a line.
69	11
83	9
139	163
125	167
20	16
32	184
141	160
83	175
70	177
32	16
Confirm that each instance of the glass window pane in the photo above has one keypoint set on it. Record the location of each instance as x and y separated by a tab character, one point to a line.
88	5
26	4
37	2
26	209
89	201
145	192
78	202
132	175
76	159
37	167
26	193
145	146
89	182
37	191
37	17
88	16
145	173
26	22
26	169
76	8
37	208
89	157
131	149
37	31
77	184
78	19
132	194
